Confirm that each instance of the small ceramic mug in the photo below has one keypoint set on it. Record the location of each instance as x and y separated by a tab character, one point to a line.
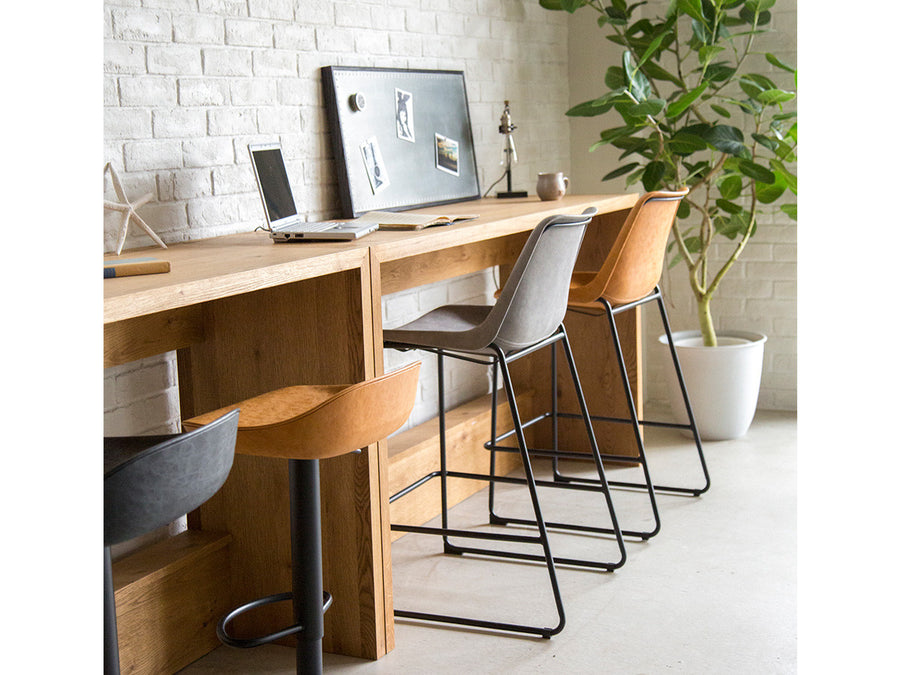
552	186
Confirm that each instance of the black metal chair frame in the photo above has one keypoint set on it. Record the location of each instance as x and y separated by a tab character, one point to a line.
500	359
309	600
554	415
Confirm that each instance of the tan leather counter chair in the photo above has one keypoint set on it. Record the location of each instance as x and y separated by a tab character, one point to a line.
628	278
304	424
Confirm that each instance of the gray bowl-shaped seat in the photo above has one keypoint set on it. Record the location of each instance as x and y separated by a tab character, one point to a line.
149	481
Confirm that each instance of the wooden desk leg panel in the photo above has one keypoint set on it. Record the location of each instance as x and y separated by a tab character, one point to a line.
309	332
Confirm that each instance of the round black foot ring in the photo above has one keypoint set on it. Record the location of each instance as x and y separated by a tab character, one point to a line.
246	643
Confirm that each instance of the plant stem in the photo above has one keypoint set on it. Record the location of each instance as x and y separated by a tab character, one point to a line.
706	322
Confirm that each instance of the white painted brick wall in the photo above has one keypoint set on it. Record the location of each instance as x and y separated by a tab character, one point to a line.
189	83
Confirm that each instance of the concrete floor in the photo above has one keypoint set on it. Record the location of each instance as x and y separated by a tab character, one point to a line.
714	592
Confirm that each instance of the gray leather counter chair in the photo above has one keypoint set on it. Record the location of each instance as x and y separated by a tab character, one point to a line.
628	278
149	481
526	317
303	424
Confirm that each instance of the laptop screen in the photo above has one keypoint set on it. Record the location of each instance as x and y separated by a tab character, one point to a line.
274	186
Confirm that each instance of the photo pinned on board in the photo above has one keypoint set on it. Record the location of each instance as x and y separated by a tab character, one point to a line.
403	110
375	169
446	154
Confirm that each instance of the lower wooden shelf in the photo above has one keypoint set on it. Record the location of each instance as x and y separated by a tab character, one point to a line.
169	597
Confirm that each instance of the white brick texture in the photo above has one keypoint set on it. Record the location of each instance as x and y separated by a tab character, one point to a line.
188	83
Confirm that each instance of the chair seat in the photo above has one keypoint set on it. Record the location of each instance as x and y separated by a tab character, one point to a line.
448	327
149	481
580	297
321	421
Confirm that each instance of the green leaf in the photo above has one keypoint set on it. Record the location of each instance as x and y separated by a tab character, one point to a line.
616	15
586	109
693	8
693	244
761	19
551	4
774	60
775	96
719	72
611	134
790	210
615	78
685	143
652	107
756	171
596	107
788	176
638	84
708	52
653	174
621	171
767	194
731	186
657	72
675	109
726	139
760	5
652	49
735	225
766	142
723	112
753	85
729	206
684	210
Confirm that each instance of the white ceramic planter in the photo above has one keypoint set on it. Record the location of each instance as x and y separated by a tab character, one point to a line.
722	382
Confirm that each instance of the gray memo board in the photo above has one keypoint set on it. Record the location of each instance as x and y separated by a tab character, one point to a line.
393	173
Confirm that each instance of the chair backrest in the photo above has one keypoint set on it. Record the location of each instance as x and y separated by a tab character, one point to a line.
167	479
634	265
344	418
533	301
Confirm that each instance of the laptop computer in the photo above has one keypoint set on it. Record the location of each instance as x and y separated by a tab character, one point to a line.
278	203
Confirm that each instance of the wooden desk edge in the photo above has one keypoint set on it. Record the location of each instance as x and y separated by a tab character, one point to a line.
169	292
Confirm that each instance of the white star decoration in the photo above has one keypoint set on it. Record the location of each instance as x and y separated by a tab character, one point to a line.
127	209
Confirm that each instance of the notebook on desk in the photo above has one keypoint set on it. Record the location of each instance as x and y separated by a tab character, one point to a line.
280	210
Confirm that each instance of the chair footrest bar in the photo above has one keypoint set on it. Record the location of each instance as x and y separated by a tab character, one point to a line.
501	520
525	425
549	453
514	555
247	643
696	492
477	623
468	534
626	420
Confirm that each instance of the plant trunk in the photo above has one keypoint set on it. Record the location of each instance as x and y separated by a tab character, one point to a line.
706	322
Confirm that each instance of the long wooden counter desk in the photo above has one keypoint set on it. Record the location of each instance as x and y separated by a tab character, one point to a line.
247	316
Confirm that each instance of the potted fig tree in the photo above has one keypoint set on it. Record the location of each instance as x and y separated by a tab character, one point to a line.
692	115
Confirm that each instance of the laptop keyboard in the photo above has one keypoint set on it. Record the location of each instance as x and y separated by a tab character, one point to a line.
317	227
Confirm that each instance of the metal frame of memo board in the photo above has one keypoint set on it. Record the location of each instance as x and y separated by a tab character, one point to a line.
401	138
